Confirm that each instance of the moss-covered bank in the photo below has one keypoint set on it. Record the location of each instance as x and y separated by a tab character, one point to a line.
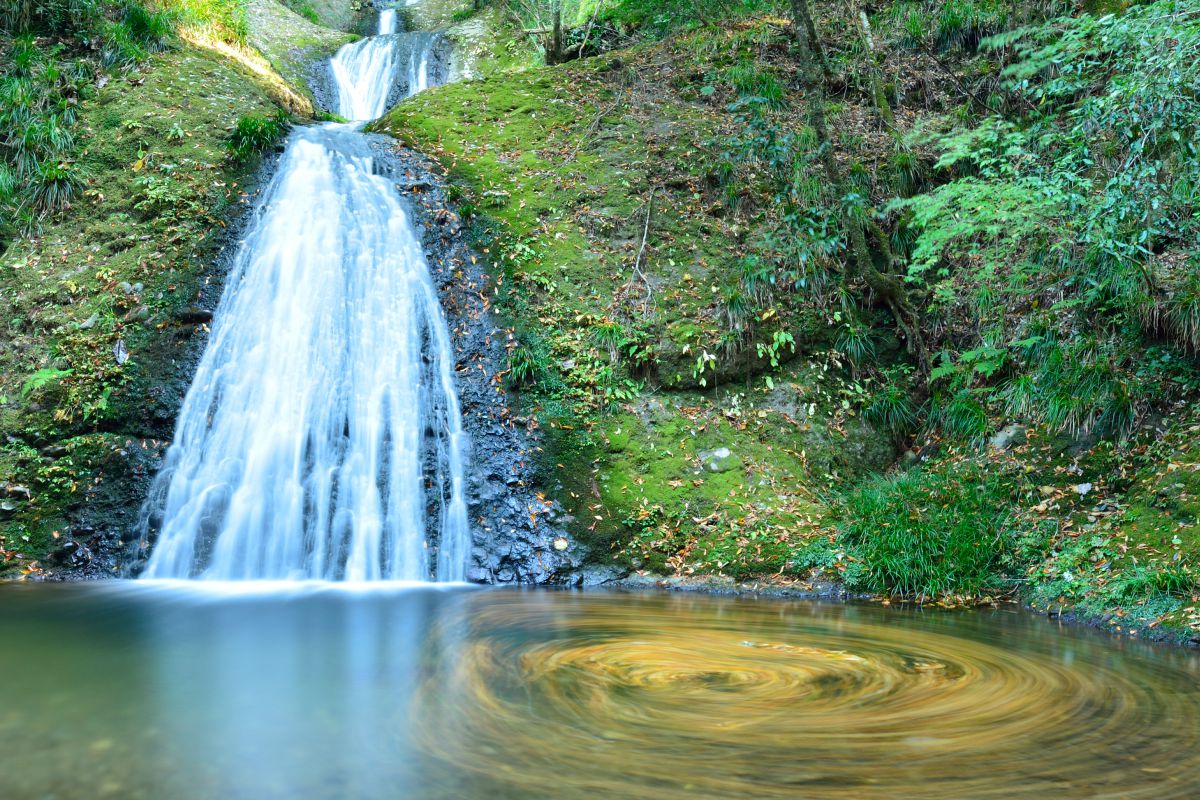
107	306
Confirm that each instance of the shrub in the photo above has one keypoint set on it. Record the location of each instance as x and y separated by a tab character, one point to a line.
53	186
305	9
930	533
255	133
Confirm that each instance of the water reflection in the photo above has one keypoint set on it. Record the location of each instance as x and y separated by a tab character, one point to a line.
426	693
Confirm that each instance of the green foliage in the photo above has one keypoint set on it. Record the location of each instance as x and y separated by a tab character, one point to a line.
42	379
224	19
661	17
39	96
1065	234
965	24
891	407
930	533
254	133
799	251
57	17
42	85
524	364
53	186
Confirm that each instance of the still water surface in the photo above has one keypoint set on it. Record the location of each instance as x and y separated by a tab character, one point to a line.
135	691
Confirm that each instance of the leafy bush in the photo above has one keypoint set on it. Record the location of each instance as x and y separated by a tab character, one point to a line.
929	534
57	17
254	133
41	87
53	186
39	95
224	19
1064	234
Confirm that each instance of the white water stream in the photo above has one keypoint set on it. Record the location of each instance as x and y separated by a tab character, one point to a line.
366	71
321	438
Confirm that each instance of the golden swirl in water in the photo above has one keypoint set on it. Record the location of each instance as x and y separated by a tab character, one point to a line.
573	696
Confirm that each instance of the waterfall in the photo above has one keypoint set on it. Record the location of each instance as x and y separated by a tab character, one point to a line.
321	438
419	58
365	72
387	21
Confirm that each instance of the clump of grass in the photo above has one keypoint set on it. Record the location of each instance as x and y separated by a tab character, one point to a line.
931	533
254	133
305	9
54	186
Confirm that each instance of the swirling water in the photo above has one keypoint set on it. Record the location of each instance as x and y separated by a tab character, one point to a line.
322	436
142	691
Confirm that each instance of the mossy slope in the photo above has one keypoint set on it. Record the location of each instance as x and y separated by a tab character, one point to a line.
592	189
101	308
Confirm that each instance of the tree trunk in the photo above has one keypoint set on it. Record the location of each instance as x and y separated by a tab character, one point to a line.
556	38
887	287
878	95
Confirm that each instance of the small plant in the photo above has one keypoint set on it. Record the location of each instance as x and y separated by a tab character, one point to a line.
929	534
892	407
42	379
254	133
305	9
53	186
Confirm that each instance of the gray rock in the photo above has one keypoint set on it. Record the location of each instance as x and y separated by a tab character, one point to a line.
1010	436
15	492
721	459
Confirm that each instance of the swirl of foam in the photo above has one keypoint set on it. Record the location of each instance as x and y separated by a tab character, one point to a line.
585	696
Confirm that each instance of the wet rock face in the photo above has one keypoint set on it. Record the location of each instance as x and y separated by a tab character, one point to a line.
518	536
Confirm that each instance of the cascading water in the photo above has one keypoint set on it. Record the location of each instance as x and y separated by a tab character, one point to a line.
421	65
366	72
322	437
387	21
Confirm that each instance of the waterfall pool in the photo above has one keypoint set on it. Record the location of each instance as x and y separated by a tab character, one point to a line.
314	692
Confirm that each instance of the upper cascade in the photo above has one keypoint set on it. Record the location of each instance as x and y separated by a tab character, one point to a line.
388	21
367	72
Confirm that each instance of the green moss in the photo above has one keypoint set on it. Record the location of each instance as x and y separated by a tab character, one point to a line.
1136	563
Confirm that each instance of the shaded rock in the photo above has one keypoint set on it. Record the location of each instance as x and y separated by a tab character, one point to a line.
721	459
72	554
16	492
193	316
1010	436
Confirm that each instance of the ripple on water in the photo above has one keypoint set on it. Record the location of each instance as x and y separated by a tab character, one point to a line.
630	698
